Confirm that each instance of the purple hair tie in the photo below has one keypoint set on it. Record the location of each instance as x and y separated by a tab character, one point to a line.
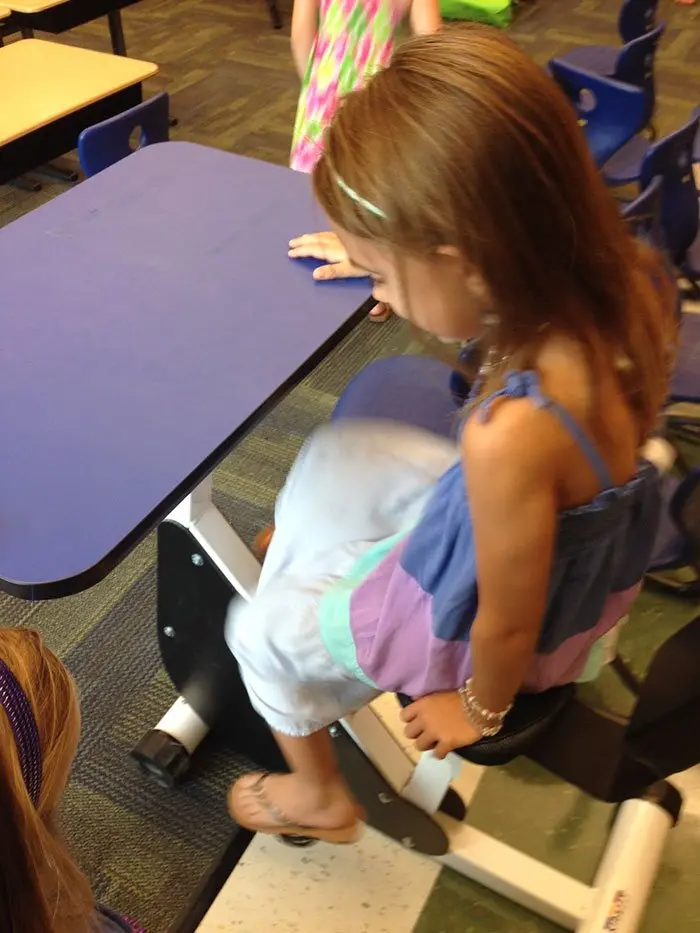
19	713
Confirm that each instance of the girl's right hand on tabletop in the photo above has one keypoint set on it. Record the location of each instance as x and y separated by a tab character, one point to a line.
328	248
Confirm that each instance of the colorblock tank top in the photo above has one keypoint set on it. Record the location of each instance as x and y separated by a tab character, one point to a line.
401	620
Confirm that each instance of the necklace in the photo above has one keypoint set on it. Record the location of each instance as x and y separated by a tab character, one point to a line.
493	359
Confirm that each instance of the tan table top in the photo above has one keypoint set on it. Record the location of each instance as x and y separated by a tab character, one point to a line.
47	81
5	11
33	6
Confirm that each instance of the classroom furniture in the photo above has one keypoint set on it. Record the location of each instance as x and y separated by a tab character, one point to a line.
57	16
5	13
634	66
609	112
636	18
64	90
166	320
275	15
108	142
671	158
636	69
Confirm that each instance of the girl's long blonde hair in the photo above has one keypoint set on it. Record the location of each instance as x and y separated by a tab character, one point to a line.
42	890
464	141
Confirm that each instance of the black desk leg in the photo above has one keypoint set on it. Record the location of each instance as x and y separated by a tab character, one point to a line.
56	173
27	33
25	183
275	14
116	32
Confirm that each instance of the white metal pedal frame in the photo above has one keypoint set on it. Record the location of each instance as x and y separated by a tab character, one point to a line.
613	904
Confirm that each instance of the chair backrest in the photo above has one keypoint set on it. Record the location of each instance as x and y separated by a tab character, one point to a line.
636	18
609	112
643	215
635	65
672	159
685	508
108	142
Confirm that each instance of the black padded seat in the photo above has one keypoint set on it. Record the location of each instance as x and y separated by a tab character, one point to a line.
532	713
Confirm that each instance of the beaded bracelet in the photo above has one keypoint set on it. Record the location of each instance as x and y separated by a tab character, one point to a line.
486	722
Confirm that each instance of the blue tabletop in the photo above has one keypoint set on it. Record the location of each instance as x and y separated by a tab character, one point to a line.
149	313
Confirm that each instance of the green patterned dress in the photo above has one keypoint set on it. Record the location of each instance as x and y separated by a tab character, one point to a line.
355	38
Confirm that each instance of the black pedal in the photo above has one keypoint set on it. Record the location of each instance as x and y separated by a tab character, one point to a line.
453	806
386	810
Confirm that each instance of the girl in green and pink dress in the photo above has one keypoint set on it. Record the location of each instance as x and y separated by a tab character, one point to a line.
336	44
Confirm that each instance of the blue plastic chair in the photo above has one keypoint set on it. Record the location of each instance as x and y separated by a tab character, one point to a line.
403	388
636	18
609	112
685	384
677	545
636	66
672	159
643	215
108	142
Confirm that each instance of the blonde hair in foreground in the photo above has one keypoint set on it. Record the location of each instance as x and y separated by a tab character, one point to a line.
463	141
41	888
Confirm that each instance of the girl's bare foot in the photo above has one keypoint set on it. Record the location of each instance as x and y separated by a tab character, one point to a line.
286	804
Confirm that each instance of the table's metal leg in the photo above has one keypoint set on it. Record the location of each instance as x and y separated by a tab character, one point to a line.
116	32
56	173
25	183
202	565
215	536
275	14
27	33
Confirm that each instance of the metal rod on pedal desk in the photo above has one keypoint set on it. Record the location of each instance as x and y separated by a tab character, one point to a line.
116	32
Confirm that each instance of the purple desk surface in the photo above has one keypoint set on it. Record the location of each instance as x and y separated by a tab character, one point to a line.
149	315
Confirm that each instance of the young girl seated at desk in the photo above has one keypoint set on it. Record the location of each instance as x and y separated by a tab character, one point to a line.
461	575
42	890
